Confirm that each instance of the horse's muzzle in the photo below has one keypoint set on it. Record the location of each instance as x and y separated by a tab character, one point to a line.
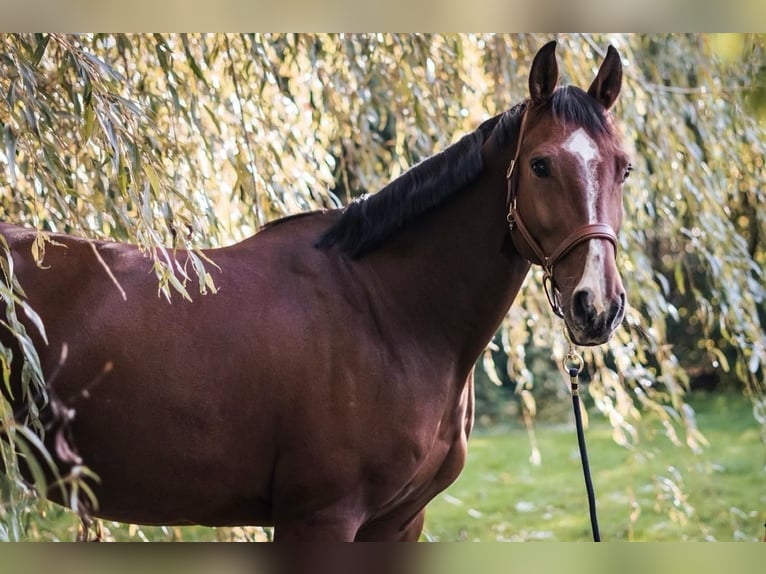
590	325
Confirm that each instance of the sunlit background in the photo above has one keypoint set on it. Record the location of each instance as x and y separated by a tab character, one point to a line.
196	140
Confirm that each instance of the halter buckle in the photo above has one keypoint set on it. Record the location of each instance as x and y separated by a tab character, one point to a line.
511	217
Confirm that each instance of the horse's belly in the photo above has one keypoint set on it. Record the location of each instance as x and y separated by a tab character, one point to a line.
173	470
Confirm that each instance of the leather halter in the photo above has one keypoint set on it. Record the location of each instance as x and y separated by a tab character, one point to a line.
525	238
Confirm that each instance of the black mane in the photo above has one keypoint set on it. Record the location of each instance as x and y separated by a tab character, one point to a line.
368	222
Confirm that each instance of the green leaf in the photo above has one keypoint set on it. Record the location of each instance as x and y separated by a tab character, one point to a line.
36	320
196	70
40	50
154	181
10	151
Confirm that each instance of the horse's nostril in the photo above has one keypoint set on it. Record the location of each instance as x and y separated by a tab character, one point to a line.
582	302
617	310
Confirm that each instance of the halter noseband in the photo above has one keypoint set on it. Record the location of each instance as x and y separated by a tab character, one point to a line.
578	236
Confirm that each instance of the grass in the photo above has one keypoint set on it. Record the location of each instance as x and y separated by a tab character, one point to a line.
654	492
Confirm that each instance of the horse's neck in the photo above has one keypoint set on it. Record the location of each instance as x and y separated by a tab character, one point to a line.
455	271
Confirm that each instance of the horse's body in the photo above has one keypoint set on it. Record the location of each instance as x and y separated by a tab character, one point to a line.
326	388
211	411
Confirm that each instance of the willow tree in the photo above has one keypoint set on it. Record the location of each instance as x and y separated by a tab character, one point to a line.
198	140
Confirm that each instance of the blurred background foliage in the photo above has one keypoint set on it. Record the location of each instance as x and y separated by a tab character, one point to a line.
196	140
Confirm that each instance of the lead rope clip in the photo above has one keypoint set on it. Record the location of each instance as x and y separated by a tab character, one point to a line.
573	364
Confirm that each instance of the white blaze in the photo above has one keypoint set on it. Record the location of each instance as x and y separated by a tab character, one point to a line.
582	146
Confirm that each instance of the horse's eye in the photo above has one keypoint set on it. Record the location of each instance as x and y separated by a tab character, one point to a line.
541	167
627	171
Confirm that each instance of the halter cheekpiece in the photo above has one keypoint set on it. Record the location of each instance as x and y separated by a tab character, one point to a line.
547	262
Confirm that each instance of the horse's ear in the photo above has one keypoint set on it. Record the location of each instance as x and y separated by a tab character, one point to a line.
606	87
544	74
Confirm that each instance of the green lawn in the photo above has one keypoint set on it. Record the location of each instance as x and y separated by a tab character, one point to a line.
656	491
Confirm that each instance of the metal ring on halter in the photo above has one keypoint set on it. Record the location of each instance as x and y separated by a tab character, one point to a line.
549	286
573	362
511	217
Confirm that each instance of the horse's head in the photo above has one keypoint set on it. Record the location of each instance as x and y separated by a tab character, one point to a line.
565	195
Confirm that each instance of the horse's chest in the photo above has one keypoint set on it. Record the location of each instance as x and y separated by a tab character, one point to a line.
433	454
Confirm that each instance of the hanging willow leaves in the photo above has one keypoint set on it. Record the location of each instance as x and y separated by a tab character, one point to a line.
196	140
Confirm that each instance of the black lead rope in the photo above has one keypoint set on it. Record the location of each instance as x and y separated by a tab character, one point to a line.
573	365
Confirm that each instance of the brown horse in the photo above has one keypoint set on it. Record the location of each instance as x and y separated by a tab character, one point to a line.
326	389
